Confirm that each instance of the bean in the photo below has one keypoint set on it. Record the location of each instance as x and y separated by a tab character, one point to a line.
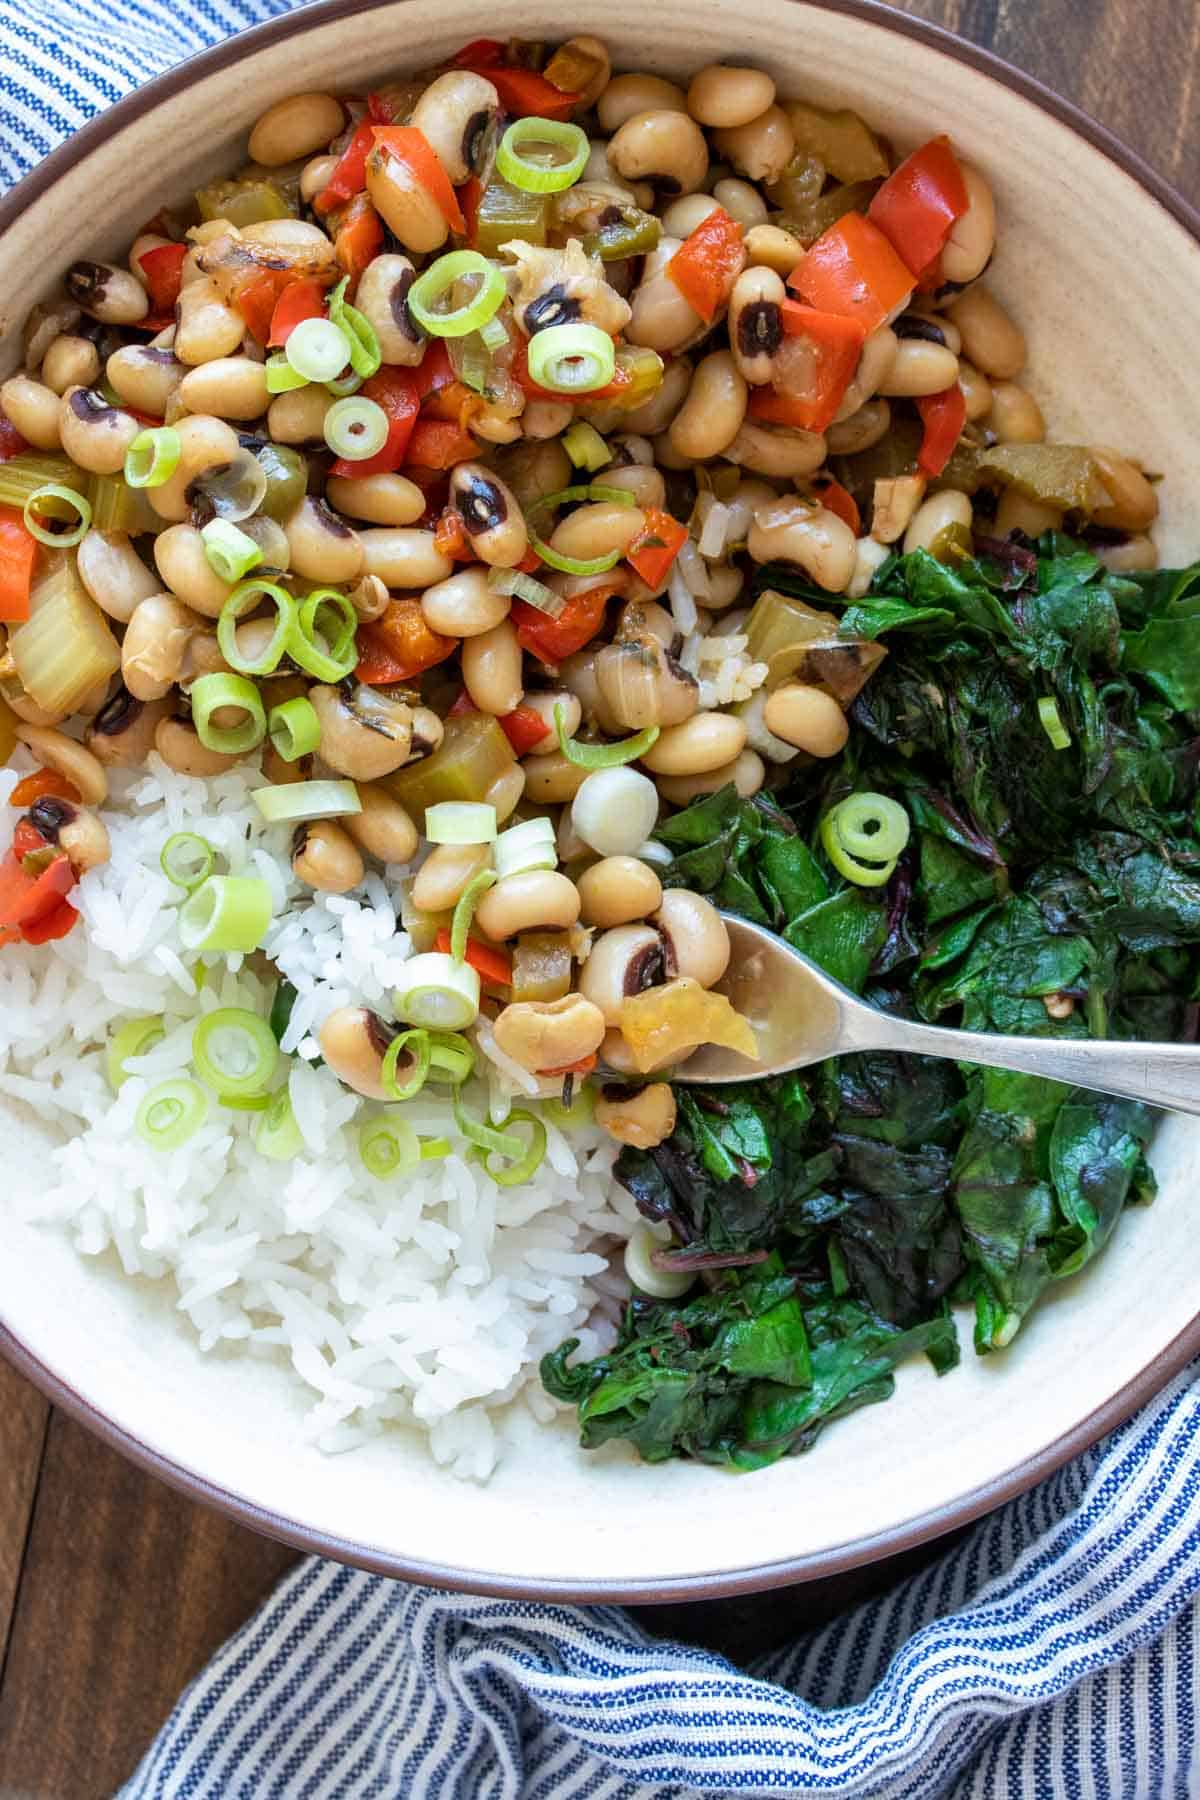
920	368
70	362
646	485
643	1117
55	750
742	201
546	418
491	669
861	430
364	735
976	391
551	780
746	772
655	414
756	334
379	499
1016	513
712	415
180	748
295	127
869	557
1134	554
618	890
180	558
543	704
817	540
205	444
777	452
382	298
935	515
762	148
106	293
32	408
404	558
623	962
807	717
694	935
681	218
990	338
446	873
353	1044
326	858
205	326
702	742
298	417
94	434
773	247
642	684
874	366
663	147
463	605
540	900
1134	502
973	234
505	793
122	733
661	319
315	175
229	387
549	1034
723	95
406	208
933	328
155	645
896	499
597	528
627	95
146	378
455	114
491	517
322	547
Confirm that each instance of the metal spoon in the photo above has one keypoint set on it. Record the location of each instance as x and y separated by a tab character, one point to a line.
800	1016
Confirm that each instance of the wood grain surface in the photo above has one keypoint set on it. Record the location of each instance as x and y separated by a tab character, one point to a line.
113	1589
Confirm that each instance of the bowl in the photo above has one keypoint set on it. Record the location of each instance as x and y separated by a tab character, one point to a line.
557	1522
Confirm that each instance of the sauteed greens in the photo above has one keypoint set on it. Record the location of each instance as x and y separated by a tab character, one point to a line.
1037	715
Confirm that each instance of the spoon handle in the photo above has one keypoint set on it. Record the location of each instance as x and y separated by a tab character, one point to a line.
1165	1075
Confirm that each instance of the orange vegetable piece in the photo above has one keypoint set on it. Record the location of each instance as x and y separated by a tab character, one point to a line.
662	1023
853	270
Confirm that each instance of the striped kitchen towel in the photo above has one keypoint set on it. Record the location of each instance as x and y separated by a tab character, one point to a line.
1050	1653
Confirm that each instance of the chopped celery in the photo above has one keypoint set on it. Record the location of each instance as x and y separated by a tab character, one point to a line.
798	643
64	649
1065	475
848	148
505	213
118	507
22	476
243	200
468	760
808	219
573	70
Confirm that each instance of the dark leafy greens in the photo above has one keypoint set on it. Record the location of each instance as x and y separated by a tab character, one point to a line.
831	1217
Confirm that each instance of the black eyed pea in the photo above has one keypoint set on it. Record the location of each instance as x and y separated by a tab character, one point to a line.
596	528
228	387
723	95
774	248
280	773
354	1042
934	328
725	583
746	772
112	295
756	323
314	176
94	434
204	658
205	444
712	414
154	648
142	244
1136	553
973	235
976	391
365	734
861	430
934	516
70	362
428	728
541	900
295	127
1033	517
546	418
178	743
506	792
747	498
376	499
1134	502
919	368
656	414
205	326
642	1117
627	95
623	961
641	684
642	619
694	936
705	741
55	750
446	873
661	320
121	736
682	216
578	676
549	1034
869	557
180	558
815	539
741	200
409	212
464	606
874	367
990	338
807	717
776	451
494	523
456	114
146	378
323	547
762	148
73	829
618	890
32	407
543	704
492	669
325	857
298	417
550	780
663	147
645	484
382	298
404	557
1016	417
895	500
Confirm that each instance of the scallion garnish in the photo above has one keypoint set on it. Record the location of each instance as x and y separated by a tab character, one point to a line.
1051	723
414	1043
60	496
359	333
863	836
234	1051
171	1113
322	636
388	1146
585	447
226	912
246	599
603	756
429	290
460	822
539	176
529	1158
282	378
277	1134
317	350
356	429
301	802
215	693
186	859
437	992
133	1038
572	359
464	911
294	729
153	457
526	847
526	587
228	551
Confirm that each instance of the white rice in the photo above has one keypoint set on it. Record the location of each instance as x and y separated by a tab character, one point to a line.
427	1299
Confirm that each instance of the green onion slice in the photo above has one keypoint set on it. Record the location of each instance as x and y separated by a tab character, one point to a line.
526	847
277	1134
603	756
60	496
361	341
153	457
329	616
592	490
294	729
528	588
433	1149
317	350
464	911
133	1038
534	174
1052	725
211	694
186	859
226	912
580	1112
388	1146
356	429
574	565
247	598
863	837
245	1102
451	1056
585	447
460	822
494	333
281	377
434	286
300	802
486	1137
346	384
416	1042
438	992
234	1051
171	1113
530	1158
228	551
571	359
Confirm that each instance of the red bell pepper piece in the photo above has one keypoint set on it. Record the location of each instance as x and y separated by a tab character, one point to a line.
435	370
163	268
706	264
656	546
480	53
853	270
837	499
494	965
450	538
255	300
11	441
412	148
943	416
299	301
525	729
395	389
553	640
25	898
53	924
399	645
584	1066
525	94
832	346
350	172
357	236
469	196
439	444
18	552
919	202
26	838
43	783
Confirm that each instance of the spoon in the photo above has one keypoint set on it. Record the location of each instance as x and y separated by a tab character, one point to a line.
800	1016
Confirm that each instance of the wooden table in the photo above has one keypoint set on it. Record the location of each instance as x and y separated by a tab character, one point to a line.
113	1589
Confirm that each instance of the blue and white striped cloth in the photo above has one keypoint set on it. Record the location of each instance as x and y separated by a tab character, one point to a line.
1052	1652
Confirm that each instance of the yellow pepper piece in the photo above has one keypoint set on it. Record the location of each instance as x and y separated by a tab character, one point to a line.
662	1023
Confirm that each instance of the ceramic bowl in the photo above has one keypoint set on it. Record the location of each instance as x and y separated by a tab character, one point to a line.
1103	333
